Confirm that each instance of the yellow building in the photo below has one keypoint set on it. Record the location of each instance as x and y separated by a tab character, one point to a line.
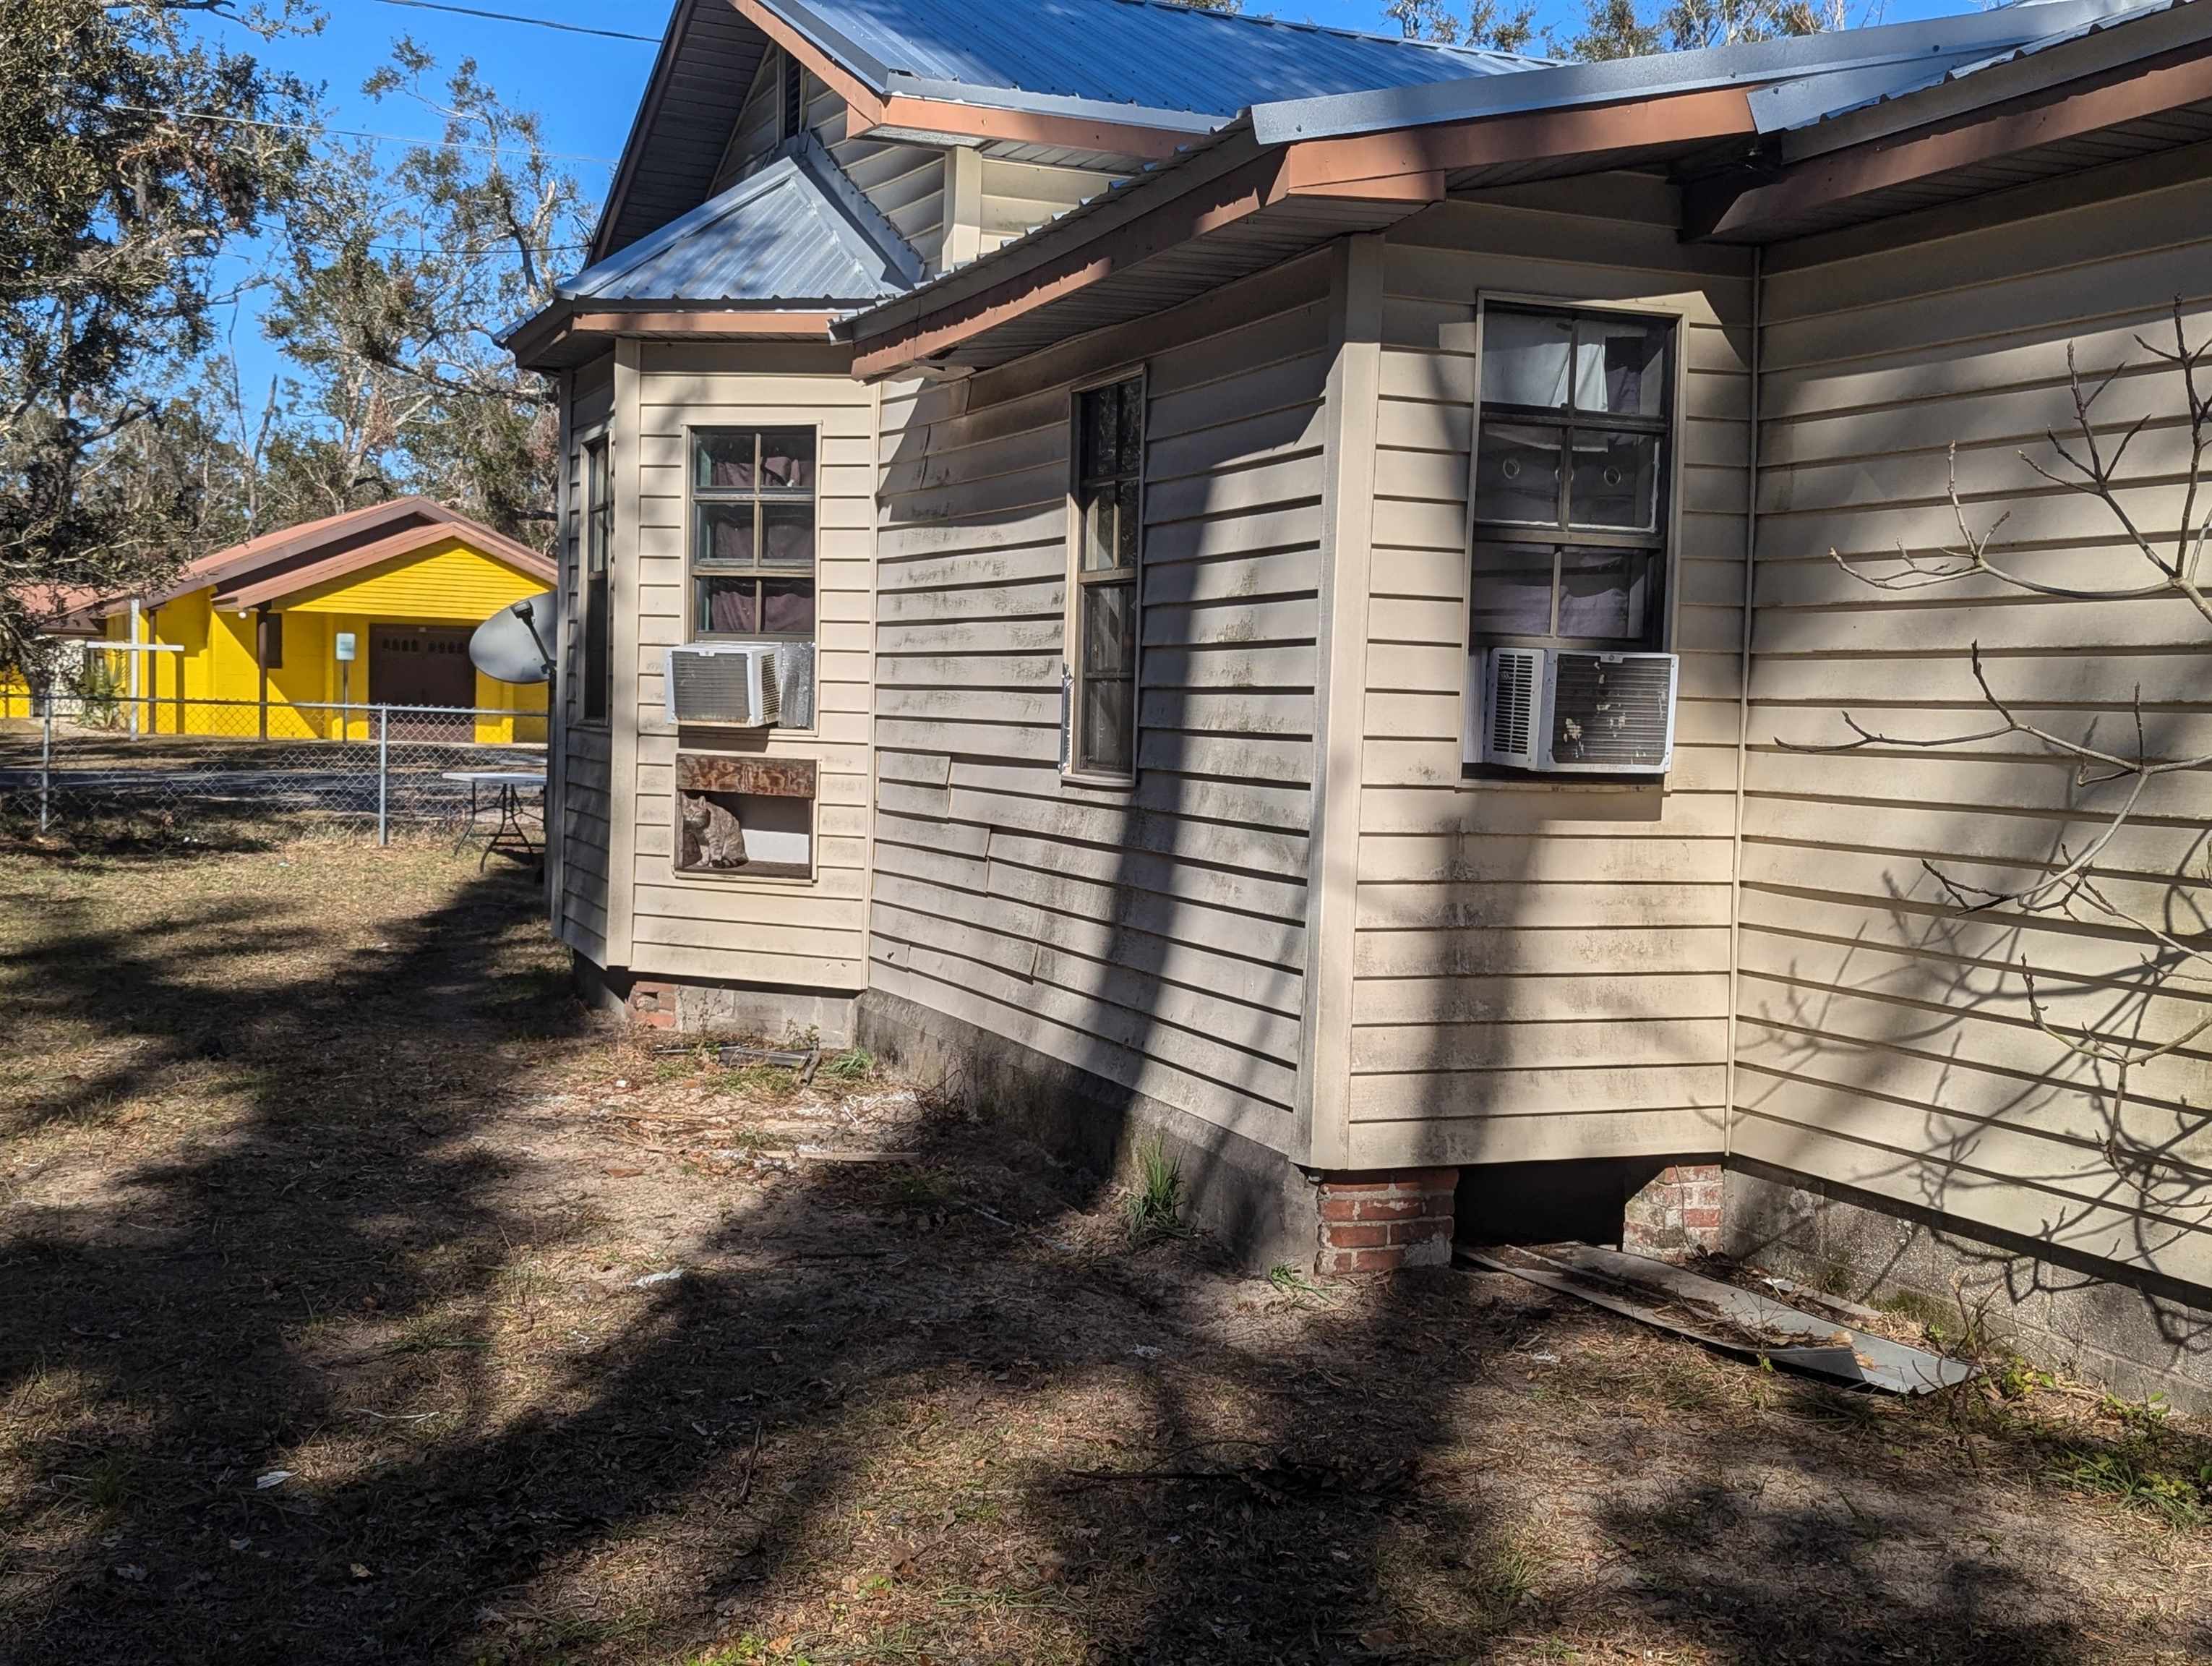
295	635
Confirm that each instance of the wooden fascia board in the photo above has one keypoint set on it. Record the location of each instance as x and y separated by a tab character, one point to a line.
865	103
939	119
732	322
1232	195
2126	94
664	66
1365	164
315	574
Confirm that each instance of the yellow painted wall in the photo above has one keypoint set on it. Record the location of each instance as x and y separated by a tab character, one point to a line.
219	679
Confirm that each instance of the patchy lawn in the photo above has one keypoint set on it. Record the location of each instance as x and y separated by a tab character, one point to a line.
324	1216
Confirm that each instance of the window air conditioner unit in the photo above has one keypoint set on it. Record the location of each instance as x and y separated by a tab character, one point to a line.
1571	712
1610	713
1513	712
730	684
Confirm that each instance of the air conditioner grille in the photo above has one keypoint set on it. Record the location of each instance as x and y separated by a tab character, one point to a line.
1515	688
716	688
1612	710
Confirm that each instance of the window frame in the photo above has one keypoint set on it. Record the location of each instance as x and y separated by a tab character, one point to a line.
1663	542
595	524
759	571
1073	769
1477	776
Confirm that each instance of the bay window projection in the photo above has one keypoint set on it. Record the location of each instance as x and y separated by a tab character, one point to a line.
1109	510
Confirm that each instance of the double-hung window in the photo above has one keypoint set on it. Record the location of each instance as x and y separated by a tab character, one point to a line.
1574	448
1108	503
599	530
752	534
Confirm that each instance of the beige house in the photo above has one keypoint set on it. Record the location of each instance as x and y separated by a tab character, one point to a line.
1276	586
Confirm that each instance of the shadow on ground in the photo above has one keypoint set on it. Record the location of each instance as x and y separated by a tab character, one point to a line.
888	1411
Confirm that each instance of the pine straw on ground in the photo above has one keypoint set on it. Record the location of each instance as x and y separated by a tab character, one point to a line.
323	1214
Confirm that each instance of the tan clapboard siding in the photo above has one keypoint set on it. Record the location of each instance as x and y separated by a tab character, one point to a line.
1541	970
1154	936
1018	196
759	127
729	926
1885	1041
585	760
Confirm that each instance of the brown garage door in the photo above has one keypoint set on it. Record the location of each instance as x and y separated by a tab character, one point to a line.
422	666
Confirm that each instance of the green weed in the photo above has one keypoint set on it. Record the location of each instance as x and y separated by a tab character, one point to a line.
2179	1500
1154	1208
1289	1281
854	1064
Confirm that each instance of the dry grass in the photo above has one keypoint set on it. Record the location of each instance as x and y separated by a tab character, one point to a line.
308	1163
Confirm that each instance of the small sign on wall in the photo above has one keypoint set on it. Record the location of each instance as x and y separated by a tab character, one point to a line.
345	647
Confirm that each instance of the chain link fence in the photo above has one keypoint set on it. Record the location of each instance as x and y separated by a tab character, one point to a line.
144	766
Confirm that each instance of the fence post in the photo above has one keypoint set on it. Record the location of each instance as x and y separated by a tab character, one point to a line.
383	769
46	765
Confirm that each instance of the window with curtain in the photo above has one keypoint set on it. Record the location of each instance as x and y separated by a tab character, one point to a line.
752	534
1109	466
599	530
1572	457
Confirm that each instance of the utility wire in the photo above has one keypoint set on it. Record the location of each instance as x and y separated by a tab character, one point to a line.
515	17
358	133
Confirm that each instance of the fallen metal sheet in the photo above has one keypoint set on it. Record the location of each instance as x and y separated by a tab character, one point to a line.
1612	1280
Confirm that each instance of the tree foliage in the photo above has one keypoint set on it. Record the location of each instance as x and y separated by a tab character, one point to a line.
129	160
394	278
1614	28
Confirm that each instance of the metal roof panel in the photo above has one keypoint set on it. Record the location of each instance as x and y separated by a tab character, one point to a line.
795	231
1123	55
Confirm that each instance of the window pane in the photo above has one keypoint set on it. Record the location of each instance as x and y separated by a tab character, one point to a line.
1131	450
1099	434
787	607
723	460
725	534
1606	594
1098	533
1106	732
727	607
787	534
1126	525
1108	629
1516	478
1616	482
1620	367
1524	357
787	458
1513	590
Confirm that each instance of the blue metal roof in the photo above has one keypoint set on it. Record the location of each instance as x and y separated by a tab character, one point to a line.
1828	73
1117	57
796	231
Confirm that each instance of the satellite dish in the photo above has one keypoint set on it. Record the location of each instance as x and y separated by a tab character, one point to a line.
515	645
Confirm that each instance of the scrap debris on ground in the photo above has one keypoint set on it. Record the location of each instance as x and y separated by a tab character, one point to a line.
362	1298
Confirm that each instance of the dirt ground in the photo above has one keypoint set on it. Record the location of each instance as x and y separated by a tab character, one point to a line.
363	1299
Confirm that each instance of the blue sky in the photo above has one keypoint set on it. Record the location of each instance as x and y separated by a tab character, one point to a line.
586	89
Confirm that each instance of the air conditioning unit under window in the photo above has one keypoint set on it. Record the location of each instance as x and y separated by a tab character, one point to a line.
1513	713
1568	711
730	684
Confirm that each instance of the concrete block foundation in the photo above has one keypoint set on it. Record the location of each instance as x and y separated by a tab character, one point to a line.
2060	1312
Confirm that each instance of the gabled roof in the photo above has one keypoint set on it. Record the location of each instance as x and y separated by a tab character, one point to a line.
1101	83
1142	61
778	253
291	559
798	231
1770	140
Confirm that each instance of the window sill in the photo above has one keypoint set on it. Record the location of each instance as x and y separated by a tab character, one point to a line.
1518	781
1099	782
784	873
